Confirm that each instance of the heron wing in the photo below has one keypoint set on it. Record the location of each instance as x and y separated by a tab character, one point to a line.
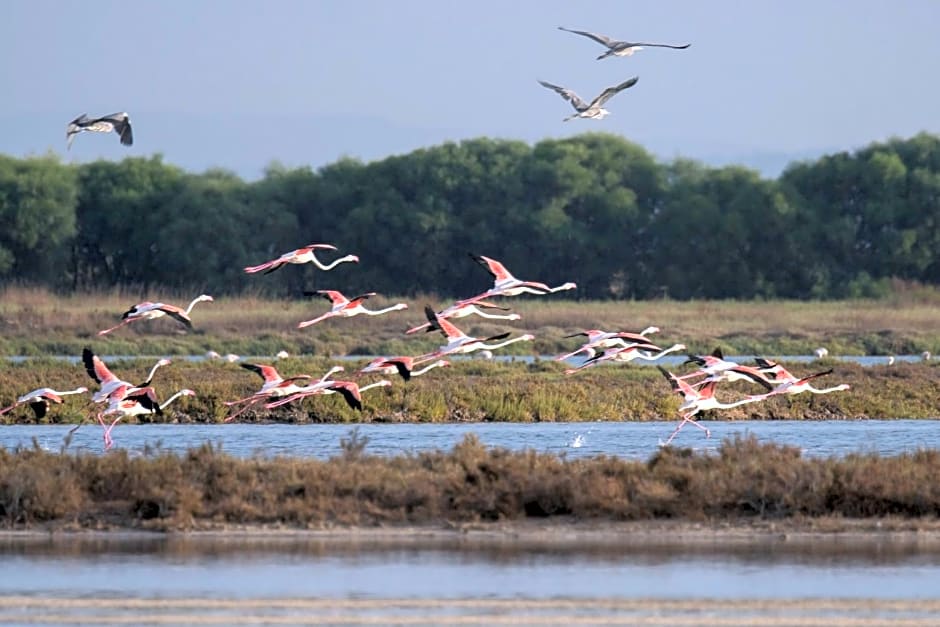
674	47
610	92
601	39
567	94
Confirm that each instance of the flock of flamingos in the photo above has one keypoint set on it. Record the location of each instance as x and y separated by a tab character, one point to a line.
697	389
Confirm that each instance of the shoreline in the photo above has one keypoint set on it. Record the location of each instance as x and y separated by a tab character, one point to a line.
925	533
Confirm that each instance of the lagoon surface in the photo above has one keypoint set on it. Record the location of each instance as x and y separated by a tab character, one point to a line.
137	579
633	440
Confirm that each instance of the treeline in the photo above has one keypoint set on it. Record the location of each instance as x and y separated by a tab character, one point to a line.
594	209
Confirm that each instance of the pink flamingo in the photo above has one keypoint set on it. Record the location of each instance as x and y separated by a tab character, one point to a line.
793	385
346	308
302	255
623	354
505	284
404	366
464	308
609	339
274	386
40	399
100	373
129	401
696	401
350	390
151	311
459	342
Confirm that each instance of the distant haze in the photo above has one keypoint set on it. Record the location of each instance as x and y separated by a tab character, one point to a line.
238	84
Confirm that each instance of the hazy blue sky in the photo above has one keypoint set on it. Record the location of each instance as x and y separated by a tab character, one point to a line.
238	83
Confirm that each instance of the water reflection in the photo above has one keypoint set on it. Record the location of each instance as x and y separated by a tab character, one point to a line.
454	567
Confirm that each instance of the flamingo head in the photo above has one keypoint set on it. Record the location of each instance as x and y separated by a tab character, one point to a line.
352	258
204	298
528	337
81	390
187	392
514	316
164	362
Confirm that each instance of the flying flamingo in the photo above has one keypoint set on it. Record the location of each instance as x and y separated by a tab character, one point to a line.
505	284
709	364
151	311
609	339
40	399
100	373
464	308
346	308
623	354
126	401
696	401
620	48
404	366
792	385
738	372
459	342
302	255
274	386
350	390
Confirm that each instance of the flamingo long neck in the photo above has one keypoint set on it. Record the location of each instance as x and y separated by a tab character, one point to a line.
80	390
483	314
192	304
381	383
501	344
166	403
376	312
330	373
671	349
814	390
436	364
153	370
328	266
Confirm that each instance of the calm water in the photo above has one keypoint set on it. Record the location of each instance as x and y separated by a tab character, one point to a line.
180	580
624	439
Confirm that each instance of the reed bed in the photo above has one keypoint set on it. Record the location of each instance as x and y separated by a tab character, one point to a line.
208	489
472	390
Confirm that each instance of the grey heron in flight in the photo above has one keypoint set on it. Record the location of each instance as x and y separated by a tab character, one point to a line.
595	109
120	123
619	48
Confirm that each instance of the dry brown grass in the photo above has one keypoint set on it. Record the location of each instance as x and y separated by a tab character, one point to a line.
472	483
34	321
